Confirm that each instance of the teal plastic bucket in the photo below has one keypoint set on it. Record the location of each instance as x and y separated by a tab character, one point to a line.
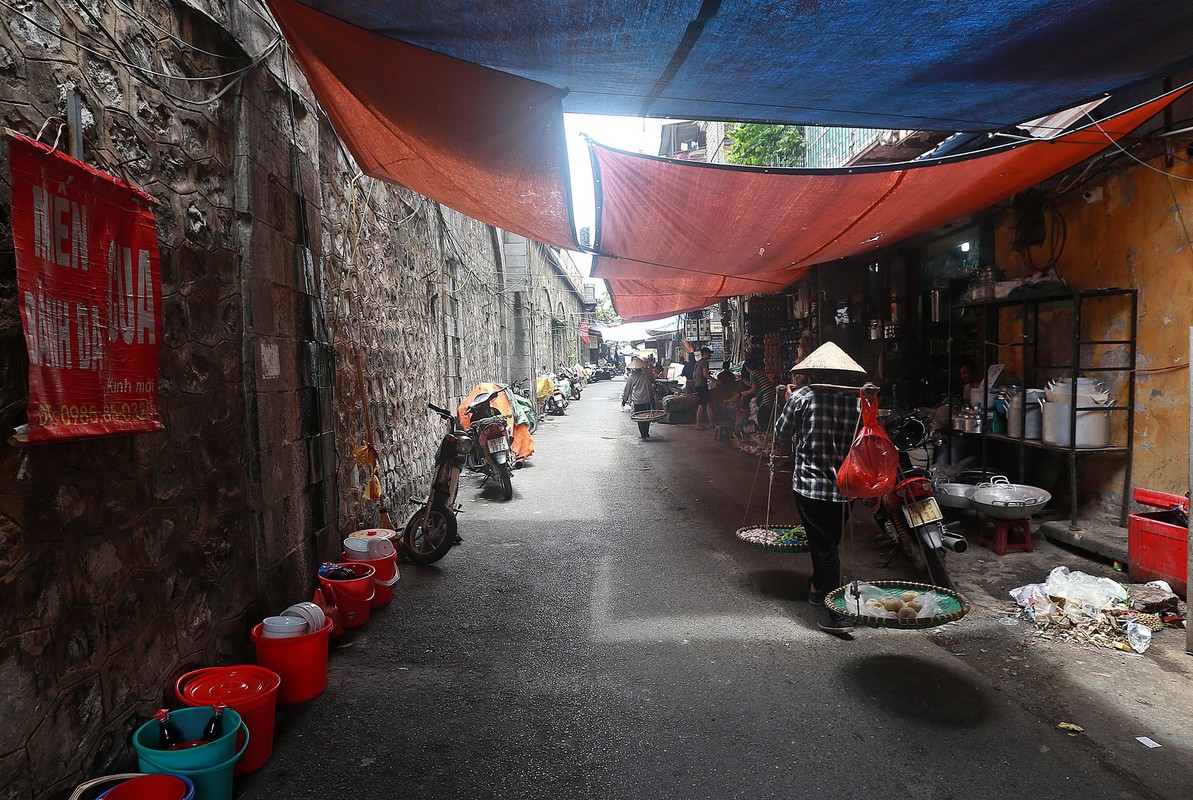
209	766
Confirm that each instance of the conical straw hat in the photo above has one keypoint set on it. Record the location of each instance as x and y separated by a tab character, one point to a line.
828	356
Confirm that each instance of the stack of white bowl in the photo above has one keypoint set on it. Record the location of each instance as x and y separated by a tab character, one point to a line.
357	549
284	627
297	620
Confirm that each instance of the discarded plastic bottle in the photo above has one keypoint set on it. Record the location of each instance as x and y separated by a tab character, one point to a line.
1138	636
214	728
168	735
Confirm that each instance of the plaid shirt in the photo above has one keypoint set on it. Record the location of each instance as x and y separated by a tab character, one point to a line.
823	423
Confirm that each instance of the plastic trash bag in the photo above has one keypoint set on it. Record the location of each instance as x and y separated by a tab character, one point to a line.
1084	594
1035	600
871	467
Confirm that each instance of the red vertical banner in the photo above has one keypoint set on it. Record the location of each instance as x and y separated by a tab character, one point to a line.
89	289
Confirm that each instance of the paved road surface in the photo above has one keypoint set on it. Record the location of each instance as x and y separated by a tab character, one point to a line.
604	635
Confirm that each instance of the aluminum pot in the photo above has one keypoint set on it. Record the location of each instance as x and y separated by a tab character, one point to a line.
1001	499
954	495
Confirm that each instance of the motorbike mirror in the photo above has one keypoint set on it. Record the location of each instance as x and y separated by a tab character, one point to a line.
908	433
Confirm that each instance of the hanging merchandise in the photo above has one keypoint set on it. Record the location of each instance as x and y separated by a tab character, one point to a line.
897	604
776	537
872	465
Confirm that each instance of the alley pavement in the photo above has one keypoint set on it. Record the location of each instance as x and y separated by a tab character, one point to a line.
605	635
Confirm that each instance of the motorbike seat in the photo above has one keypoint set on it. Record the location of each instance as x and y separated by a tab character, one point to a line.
481	403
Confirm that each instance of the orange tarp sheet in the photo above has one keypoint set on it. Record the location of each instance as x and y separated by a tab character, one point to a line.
677	235
486	143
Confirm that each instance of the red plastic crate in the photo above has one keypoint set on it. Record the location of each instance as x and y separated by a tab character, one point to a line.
1158	549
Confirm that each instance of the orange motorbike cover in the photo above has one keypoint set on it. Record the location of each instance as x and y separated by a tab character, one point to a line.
523	444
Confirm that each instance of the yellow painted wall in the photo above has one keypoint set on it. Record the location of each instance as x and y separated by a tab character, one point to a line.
1134	236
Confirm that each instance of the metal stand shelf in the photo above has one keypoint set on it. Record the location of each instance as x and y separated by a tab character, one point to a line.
1081	363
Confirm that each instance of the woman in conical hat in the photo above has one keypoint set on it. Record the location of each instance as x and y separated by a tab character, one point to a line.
828	357
821	422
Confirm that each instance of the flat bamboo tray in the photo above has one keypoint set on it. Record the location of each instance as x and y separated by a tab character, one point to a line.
785	537
954	605
653	415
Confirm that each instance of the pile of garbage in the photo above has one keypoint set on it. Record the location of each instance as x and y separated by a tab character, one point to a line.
1099	612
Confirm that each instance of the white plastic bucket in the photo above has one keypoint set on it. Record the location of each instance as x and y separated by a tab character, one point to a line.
1093	425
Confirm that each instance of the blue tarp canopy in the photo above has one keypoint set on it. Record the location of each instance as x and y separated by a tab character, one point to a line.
905	64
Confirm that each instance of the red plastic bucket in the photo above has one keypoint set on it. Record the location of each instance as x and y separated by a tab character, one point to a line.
152	787
251	690
353	597
385	576
300	661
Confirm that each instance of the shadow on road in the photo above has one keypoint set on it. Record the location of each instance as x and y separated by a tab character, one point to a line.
922	690
780	584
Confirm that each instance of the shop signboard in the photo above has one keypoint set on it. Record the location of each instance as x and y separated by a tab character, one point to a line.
89	291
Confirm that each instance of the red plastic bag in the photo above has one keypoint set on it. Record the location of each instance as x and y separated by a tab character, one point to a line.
871	467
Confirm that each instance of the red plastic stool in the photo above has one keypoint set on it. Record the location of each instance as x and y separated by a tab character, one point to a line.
1000	541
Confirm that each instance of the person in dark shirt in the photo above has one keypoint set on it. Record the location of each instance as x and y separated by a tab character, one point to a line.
702	380
821	422
762	390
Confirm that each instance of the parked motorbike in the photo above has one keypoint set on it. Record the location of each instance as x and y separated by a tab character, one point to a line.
575	380
563	383
528	404
664	387
556	400
909	516
431	531
492	457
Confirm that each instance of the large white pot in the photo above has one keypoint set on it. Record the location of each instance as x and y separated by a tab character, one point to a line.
1090	391
1093	425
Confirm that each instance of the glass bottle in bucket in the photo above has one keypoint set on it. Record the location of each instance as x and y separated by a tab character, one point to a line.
168	736
214	728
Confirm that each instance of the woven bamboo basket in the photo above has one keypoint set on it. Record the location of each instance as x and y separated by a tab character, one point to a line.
786	537
650	415
954	603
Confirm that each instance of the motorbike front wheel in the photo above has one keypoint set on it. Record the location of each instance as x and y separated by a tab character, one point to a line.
429	534
506	480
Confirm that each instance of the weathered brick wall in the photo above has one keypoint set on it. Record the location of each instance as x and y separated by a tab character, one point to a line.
125	561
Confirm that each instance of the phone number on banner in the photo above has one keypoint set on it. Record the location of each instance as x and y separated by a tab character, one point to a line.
96	414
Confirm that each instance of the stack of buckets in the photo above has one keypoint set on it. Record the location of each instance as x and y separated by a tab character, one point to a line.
250	691
370	548
291	670
209	766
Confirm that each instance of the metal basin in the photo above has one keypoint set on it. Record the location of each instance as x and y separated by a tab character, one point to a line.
954	495
1001	499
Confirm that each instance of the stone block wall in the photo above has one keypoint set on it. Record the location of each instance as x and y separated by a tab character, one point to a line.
125	560
287	276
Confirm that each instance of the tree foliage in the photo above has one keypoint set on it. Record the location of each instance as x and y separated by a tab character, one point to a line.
759	145
604	309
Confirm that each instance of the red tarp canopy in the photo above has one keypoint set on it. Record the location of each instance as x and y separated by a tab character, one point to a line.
488	144
676	235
